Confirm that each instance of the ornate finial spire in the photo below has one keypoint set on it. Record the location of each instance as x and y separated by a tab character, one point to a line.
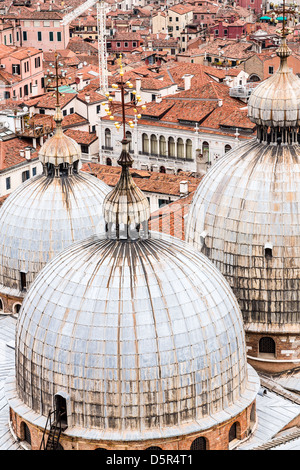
59	155
287	11
58	117
126	209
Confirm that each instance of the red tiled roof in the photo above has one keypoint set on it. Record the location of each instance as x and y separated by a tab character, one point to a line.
10	152
82	137
161	183
171	218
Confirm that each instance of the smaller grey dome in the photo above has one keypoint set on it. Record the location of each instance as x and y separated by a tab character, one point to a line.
42	217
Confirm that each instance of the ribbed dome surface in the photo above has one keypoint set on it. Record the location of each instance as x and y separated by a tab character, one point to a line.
276	101
143	336
59	149
249	202
43	216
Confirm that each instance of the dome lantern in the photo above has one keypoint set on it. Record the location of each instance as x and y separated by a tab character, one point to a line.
126	209
60	155
274	105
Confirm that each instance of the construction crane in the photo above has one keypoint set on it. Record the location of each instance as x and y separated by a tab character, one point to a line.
77	12
102	51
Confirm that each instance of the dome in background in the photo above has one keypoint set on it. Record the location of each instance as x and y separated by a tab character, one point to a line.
245	216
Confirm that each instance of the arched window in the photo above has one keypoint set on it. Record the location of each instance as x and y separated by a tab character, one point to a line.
233	432
153	142
267	346
205	150
189	149
108	162
17	308
153	448
1	304
179	171
227	148
171	147
180	148
145	143
107	138
253	415
25	433
199	444
162	146
129	138
61	409
162	169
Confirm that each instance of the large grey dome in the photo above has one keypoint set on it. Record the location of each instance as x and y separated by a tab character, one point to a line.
245	216
40	218
145	338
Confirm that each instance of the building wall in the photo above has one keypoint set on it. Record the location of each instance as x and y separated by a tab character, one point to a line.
31	28
148	161
287	352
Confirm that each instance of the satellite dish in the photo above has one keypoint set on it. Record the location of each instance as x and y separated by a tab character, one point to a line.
25	109
77	80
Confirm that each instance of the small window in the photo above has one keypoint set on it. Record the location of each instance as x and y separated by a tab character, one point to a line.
25	175
51	36
39	35
199	444
23	281
84	148
271	70
268	251
24	35
8	183
58	36
34	171
267	346
233	432
71	111
118	44
126	44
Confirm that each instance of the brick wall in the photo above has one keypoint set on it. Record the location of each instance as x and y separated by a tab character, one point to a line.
217	438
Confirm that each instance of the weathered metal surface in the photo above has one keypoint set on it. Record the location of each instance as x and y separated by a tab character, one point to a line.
126	209
43	216
144	337
59	149
250	200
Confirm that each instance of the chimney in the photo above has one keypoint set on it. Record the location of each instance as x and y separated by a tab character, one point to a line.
158	98
80	84
27	153
38	7
187	81
220	102
87	98
184	188
138	82
22	153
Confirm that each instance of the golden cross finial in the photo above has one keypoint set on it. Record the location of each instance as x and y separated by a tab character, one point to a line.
112	107
288	12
